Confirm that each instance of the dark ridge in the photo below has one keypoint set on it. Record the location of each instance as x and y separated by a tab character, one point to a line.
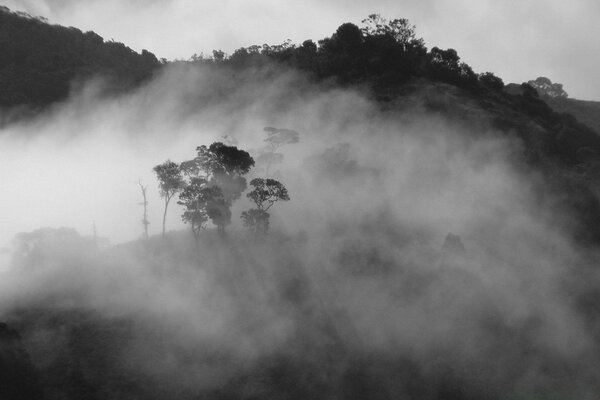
39	62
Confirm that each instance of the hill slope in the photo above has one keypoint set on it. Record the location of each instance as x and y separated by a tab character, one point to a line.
588	112
359	298
40	62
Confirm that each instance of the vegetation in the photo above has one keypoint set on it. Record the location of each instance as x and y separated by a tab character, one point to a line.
265	193
170	182
276	138
330	315
40	63
545	87
200	202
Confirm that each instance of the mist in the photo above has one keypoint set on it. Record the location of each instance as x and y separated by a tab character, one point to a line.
357	272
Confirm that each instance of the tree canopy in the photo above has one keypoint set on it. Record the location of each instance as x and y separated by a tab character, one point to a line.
170	182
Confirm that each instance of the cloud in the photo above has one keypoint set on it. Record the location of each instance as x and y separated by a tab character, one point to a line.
354	268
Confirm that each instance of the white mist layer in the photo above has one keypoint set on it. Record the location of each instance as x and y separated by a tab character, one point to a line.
369	190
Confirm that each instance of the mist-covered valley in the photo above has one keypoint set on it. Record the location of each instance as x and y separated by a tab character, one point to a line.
421	255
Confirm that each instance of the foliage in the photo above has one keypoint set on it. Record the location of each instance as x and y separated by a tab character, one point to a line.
217	174
445	65
257	221
170	182
169	178
39	62
491	81
228	159
200	203
545	87
399	29
266	192
382	53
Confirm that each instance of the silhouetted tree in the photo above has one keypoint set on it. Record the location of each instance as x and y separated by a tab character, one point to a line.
490	81
266	192
545	87
200	202
225	166
220	166
170	182
399	29
445	65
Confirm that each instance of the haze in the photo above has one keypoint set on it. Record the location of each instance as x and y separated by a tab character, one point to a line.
373	195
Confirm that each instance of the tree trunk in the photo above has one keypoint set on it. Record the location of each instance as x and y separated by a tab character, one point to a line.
167	199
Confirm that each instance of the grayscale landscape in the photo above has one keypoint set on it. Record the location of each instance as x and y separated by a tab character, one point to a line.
359	214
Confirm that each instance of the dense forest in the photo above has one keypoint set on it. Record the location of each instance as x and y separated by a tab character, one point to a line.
317	263
40	63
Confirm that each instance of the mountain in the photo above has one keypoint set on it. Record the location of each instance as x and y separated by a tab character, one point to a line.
39	62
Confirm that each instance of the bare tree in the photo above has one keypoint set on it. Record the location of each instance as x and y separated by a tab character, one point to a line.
145	221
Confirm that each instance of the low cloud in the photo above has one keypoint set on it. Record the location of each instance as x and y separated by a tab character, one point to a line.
354	278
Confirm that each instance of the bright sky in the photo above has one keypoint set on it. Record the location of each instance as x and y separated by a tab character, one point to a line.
518	40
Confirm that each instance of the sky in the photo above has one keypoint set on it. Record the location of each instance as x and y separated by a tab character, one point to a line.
517	40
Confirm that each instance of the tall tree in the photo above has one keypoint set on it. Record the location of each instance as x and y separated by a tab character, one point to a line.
266	192
200	202
224	167
170	182
545	87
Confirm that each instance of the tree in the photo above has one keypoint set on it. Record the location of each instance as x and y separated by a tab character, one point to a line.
276	137
445	65
145	221
266	192
399	29
224	166
545	87
219	166
200	203
170	182
491	81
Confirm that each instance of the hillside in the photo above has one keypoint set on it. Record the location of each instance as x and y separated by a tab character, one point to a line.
588	112
385	59
40	63
327	316
439	241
